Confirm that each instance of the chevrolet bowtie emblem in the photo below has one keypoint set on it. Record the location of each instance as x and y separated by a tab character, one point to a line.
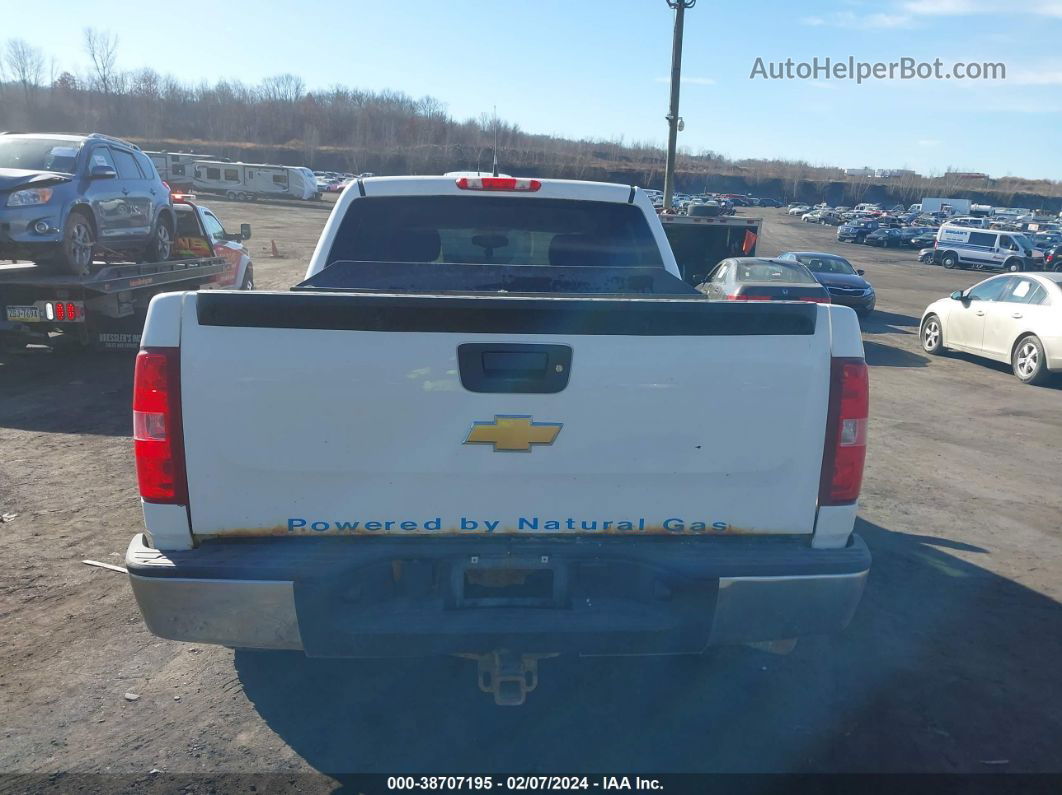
511	434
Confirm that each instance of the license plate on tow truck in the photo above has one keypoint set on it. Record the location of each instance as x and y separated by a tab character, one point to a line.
29	314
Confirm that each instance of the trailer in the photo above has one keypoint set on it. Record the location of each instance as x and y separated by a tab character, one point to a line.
106	309
699	243
949	206
248	181
177	169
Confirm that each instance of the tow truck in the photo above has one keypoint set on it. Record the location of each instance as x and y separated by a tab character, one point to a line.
105	310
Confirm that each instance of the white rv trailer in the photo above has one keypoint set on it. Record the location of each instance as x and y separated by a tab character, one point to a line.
247	181
177	168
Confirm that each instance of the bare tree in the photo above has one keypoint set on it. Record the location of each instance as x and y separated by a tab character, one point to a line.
26	65
102	49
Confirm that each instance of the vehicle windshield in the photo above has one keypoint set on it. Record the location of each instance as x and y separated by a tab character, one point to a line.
495	230
1023	241
39	154
819	263
773	271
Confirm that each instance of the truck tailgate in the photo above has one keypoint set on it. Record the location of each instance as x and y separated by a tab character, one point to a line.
328	414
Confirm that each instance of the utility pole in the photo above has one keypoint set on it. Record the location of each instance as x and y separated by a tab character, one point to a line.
672	117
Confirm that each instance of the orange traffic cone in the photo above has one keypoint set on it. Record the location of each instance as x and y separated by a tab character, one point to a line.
275	252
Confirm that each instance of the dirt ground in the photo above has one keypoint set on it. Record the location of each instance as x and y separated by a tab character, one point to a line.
950	665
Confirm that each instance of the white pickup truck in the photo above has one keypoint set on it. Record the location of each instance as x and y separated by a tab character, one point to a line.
493	422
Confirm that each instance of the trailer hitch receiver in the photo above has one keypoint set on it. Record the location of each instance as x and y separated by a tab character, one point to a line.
508	676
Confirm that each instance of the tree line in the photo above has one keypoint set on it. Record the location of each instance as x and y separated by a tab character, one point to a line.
341	128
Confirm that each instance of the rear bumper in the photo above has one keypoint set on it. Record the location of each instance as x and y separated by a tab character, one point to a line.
376	597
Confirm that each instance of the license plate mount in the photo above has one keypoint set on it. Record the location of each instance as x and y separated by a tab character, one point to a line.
509	582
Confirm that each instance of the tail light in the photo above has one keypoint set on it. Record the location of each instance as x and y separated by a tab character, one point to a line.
498	183
158	437
846	432
64	311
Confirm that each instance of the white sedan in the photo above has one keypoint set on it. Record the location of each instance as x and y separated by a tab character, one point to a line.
800	209
1015	318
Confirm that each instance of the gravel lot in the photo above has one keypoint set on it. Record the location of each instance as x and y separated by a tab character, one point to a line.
949	666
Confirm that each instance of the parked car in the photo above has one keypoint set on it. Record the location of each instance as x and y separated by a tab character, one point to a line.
886	237
761	279
856	231
1014	318
928	256
922	236
830	218
63	198
811	217
1053	259
842	281
770	203
799	209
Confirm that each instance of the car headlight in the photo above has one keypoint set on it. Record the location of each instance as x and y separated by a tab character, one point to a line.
869	291
28	197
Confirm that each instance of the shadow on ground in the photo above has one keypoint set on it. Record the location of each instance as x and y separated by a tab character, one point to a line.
878	322
881	355
946	666
67	393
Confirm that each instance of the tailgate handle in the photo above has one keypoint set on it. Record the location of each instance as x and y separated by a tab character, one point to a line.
514	368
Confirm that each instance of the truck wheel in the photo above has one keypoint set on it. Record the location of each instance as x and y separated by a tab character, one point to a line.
949	260
1013	265
79	243
932	336
161	244
248	279
230	195
1029	361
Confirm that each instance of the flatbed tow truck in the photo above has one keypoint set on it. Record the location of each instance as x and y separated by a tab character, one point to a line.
105	310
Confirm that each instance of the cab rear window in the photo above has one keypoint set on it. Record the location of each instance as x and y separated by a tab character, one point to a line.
495	230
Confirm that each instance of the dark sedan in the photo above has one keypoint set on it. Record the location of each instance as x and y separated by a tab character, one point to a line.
1053	259
856	231
885	237
844	283
924	236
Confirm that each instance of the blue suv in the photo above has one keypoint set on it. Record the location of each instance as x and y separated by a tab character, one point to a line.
67	199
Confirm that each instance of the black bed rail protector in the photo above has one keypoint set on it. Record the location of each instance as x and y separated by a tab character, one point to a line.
467	278
626	316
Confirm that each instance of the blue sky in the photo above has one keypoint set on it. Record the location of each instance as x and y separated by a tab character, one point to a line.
599	68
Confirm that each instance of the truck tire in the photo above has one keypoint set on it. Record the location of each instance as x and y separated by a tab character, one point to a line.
230	195
79	242
160	247
949	260
248	279
1014	265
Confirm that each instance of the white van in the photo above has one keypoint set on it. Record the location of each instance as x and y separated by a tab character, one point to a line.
970	221
962	246
245	181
